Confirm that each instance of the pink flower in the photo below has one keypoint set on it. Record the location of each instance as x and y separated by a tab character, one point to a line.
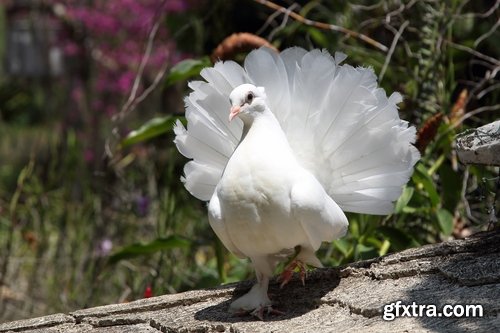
88	155
71	49
125	82
104	248
77	93
111	110
176	6
117	32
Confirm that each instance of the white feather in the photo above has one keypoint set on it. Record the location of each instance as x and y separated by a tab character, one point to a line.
340	125
200	179
265	68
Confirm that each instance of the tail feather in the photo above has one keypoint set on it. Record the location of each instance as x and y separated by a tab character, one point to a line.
265	68
200	179
340	125
192	147
311	82
232	72
213	107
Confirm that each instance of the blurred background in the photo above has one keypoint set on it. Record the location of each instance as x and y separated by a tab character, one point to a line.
92	210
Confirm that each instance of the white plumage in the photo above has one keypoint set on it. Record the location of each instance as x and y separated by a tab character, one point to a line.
316	138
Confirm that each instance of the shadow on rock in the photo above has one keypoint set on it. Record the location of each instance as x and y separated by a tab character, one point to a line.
294	299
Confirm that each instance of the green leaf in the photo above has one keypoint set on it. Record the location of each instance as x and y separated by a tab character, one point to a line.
372	240
21	179
157	245
186	69
399	240
149	130
344	246
364	252
318	37
404	199
386	245
354	228
422	179
451	183
445	220
409	210
436	165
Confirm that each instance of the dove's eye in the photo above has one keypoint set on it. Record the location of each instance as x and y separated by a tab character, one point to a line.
249	98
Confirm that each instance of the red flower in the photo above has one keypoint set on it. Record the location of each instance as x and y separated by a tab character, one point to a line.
148	292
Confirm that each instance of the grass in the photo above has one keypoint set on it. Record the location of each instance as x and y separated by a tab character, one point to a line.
60	222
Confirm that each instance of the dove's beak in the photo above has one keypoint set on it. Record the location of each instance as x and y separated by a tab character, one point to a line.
234	112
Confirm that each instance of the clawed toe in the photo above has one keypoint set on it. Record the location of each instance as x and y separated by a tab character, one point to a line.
268	309
259	312
287	274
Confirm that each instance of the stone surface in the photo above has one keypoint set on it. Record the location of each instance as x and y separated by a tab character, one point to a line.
38	323
481	145
344	299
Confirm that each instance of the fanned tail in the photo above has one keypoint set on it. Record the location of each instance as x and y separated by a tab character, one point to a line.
209	139
340	125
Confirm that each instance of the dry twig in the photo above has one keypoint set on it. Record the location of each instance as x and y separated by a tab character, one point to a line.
490	32
393	47
322	25
478	54
133	100
138	77
237	43
480	15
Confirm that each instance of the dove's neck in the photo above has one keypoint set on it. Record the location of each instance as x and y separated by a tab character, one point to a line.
263	122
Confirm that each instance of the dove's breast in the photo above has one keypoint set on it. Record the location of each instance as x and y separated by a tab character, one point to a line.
254	195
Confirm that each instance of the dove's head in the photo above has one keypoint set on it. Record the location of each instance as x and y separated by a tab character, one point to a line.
247	101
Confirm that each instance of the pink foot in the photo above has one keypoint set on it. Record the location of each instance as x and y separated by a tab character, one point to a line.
287	274
259	312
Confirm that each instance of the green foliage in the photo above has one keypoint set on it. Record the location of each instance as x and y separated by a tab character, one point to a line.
157	245
186	69
445	220
19	104
151	129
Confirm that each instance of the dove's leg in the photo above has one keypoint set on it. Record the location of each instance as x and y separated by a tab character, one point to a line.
287	274
305	257
253	302
256	301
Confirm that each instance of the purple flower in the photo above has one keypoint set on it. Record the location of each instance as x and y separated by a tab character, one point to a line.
104	248
71	49
116	33
142	205
176	6
88	155
77	93
125	82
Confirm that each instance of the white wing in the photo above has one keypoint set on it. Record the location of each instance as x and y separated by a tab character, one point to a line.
218	224
340	125
320	217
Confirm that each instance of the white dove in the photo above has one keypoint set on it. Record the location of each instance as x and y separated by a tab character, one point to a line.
313	138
